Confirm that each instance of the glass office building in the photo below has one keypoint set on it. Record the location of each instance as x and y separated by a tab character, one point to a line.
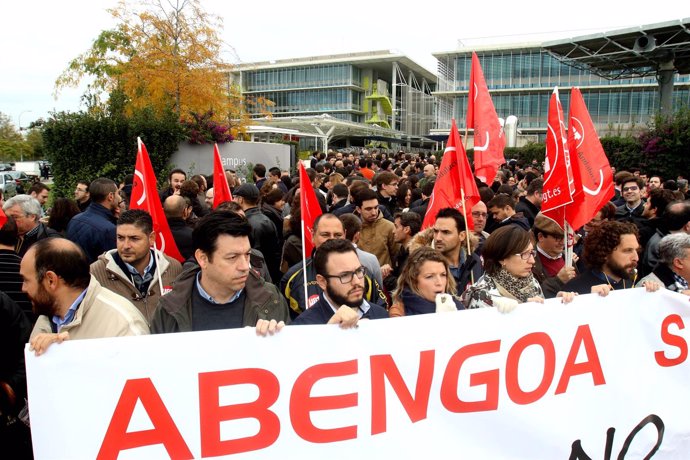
374	88
521	79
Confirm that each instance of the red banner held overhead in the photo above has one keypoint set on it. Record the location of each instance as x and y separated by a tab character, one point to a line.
592	174
309	206
454	180
221	189
489	140
558	182
145	196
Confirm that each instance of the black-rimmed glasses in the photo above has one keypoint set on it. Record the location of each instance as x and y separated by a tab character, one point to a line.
346	277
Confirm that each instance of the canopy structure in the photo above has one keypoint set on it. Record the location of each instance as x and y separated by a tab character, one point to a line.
658	49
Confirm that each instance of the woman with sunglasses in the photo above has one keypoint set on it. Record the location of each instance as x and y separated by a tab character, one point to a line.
509	256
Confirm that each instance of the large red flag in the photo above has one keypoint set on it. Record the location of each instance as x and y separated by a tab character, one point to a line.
309	206
592	173
145	196
454	181
558	178
489	140
221	189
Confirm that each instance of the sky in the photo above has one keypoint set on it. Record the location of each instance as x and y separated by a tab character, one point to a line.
39	38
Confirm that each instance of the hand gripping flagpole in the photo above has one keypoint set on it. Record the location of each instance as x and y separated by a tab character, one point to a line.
467	230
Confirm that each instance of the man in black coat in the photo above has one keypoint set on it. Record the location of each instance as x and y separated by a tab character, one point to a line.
340	275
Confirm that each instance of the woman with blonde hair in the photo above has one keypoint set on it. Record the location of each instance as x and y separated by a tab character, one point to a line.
425	285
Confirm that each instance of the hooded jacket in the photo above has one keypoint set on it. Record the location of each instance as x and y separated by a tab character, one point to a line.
111	276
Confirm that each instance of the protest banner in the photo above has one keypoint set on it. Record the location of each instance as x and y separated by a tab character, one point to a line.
600	378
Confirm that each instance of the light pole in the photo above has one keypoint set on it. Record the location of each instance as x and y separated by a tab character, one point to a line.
19	122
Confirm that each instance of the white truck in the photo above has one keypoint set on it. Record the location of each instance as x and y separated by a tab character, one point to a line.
30	168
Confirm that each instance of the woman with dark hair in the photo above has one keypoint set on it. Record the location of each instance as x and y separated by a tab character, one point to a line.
61	213
509	256
292	248
272	203
404	195
425	285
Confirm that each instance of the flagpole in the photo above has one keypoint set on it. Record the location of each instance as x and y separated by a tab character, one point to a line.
157	255
304	268
467	230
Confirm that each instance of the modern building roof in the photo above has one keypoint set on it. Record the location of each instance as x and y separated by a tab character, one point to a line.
380	60
627	53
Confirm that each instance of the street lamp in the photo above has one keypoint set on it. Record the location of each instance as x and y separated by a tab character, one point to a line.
19	122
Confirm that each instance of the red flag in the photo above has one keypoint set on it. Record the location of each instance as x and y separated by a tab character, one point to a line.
221	189
309	206
592	174
3	218
558	183
454	180
145	196
489	140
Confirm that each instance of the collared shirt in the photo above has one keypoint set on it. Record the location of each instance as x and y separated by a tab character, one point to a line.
681	283
147	270
361	310
208	297
631	210
542	252
69	316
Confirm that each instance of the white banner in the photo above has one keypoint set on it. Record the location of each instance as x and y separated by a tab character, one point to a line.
601	378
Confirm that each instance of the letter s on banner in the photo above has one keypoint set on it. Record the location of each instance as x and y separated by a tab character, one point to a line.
673	340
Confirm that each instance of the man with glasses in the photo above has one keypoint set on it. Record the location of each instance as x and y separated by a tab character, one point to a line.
82	196
550	268
340	276
479	216
632	209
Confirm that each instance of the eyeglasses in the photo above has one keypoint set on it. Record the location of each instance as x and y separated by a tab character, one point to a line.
479	214
632	188
346	277
527	254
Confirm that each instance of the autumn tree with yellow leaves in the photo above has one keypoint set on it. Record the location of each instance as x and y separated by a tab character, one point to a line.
162	55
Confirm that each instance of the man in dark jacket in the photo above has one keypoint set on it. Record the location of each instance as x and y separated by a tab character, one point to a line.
223	292
386	191
530	205
94	229
631	210
176	212
450	239
502	208
264	236
26	212
340	276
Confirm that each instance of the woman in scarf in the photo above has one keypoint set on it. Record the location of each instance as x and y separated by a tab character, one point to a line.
509	256
425	285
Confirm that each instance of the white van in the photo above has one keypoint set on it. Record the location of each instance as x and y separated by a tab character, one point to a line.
30	168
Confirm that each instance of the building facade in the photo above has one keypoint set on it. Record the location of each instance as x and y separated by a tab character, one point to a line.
378	89
522	77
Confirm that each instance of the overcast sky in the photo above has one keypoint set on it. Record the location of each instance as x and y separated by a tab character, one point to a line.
39	38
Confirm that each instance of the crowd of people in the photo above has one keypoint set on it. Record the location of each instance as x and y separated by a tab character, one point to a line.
88	267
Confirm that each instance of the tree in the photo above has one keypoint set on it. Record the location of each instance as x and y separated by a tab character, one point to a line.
162	55
12	144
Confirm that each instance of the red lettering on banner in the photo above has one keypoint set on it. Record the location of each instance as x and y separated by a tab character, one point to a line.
302	403
673	340
512	364
211	414
164	429
449	386
583	336
383	367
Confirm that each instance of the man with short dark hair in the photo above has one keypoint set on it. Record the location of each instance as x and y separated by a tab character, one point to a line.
341	280
71	303
653	210
326	227
175	179
340	193
134	267
676	219
631	210
610	254
386	190
40	191
502	208
222	292
94	229
407	225
26	212
450	238
82	196
259	173
264	235
530	204
377	232
420	207
353	229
